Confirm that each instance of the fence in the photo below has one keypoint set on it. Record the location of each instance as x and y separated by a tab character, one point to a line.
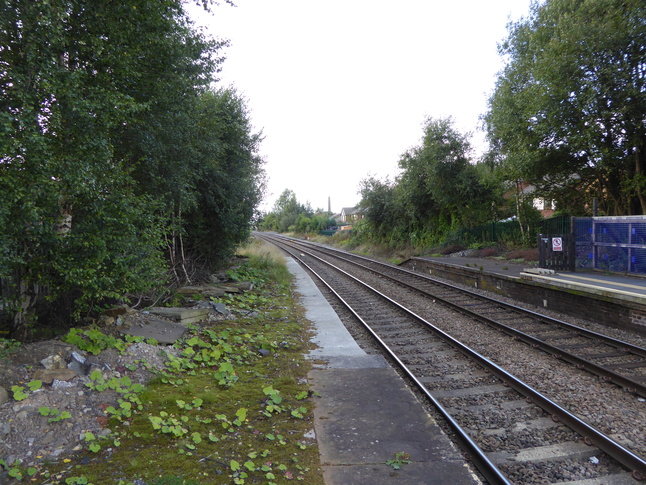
616	244
509	231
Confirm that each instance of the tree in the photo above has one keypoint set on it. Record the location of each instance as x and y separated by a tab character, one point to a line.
112	143
380	207
229	179
64	66
438	190
287	210
568	111
439	184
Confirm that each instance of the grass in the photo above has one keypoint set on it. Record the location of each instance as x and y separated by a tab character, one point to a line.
222	413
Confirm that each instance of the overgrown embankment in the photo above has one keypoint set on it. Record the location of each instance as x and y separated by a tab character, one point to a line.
231	404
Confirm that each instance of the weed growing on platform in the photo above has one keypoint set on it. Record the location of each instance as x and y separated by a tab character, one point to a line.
400	459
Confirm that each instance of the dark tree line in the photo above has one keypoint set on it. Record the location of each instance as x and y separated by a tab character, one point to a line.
290	215
569	110
122	169
438	190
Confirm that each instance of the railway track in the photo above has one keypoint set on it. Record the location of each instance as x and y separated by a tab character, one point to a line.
613	360
512	432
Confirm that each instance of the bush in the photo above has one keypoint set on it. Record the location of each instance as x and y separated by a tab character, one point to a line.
488	252
453	248
524	254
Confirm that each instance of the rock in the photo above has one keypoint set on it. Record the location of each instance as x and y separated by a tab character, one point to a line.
105	320
116	311
32	354
220	308
58	384
79	364
4	395
53	362
206	291
218	278
48	375
78	357
245	286
229	288
181	315
25	406
163	331
78	368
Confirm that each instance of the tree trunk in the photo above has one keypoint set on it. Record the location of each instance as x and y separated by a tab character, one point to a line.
640	177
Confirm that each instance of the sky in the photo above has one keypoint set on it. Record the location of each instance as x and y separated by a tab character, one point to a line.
341	88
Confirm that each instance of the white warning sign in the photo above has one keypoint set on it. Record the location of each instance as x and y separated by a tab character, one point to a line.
557	244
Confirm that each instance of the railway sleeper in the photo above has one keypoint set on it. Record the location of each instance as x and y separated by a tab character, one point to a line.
471	391
570	450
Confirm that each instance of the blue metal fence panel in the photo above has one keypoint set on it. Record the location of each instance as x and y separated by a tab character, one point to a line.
616	244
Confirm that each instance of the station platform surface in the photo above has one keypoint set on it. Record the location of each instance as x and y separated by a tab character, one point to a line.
365	415
620	286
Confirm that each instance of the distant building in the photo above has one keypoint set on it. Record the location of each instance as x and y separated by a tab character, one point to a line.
350	215
546	207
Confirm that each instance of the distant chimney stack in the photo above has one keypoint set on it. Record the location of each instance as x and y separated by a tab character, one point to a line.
329	205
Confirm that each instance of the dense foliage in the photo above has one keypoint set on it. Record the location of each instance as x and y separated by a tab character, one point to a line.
290	215
118	159
439	190
569	110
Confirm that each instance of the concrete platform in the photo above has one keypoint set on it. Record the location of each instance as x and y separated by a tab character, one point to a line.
365	414
163	331
626	287
614	300
618	287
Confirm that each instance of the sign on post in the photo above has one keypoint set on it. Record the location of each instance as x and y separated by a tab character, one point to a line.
557	244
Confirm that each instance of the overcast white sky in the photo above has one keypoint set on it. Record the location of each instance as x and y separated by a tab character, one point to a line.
340	88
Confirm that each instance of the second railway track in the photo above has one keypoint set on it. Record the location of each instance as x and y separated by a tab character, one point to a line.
574	426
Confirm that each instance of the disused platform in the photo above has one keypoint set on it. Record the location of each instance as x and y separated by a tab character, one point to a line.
365	415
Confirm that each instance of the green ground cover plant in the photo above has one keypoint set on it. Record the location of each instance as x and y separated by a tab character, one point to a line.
221	412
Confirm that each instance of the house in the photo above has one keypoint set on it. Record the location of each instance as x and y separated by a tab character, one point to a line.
546	207
350	215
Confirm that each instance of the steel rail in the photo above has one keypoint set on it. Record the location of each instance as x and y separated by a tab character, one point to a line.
480	460
619	344
608	375
592	436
